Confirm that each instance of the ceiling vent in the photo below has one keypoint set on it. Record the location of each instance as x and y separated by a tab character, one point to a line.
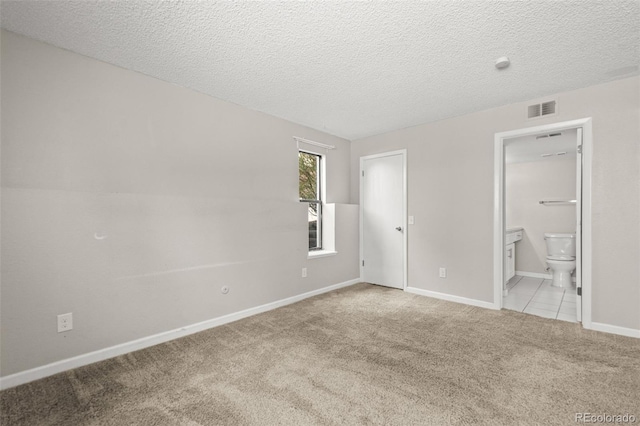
541	110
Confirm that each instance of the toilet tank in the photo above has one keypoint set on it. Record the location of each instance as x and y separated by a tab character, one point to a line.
559	244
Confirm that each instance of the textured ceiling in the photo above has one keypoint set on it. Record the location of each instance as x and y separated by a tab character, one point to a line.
351	69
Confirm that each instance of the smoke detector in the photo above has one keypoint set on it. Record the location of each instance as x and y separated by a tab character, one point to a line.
502	63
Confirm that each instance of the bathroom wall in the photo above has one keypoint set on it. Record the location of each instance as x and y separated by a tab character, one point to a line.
130	202
451	195
525	185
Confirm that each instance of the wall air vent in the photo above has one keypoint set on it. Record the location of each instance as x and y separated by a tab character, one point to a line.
534	111
550	135
541	110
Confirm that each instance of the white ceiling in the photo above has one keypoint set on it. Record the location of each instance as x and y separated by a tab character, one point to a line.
531	148
351	69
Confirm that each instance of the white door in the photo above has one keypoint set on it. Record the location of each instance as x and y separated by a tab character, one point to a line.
383	219
579	227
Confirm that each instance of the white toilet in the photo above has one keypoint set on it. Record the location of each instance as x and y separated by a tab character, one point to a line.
561	258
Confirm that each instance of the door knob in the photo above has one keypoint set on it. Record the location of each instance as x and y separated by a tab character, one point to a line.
399	228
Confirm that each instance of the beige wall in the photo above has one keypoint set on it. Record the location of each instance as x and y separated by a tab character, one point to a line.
525	185
450	185
130	202
193	193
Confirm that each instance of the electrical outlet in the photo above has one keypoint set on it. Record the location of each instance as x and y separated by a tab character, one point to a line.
304	272
443	272
65	322
224	290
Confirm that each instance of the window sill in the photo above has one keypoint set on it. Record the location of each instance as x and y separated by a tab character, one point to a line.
321	253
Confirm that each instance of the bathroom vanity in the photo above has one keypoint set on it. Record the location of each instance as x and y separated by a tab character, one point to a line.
513	235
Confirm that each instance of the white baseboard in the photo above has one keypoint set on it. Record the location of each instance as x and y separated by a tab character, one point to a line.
614	329
145	342
534	275
450	298
538	275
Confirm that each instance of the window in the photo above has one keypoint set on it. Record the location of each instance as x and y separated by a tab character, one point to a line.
310	192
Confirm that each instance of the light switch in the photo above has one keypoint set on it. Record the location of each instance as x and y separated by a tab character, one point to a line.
411	220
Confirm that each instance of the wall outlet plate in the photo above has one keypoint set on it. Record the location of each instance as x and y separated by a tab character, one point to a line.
304	272
65	322
443	272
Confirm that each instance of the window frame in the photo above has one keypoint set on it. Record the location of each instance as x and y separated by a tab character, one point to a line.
319	201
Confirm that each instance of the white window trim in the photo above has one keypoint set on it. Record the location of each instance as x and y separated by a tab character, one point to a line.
314	254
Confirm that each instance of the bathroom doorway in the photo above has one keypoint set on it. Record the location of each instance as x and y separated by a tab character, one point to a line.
542	232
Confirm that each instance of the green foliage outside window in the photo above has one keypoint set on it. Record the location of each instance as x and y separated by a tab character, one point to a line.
309	192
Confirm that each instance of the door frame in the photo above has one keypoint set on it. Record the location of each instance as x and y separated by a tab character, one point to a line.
499	230
403	153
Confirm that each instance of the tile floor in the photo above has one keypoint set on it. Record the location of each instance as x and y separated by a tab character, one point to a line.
536	296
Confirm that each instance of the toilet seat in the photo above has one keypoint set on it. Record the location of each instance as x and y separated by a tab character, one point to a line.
563	258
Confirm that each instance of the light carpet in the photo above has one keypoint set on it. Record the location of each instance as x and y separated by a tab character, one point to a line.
360	355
